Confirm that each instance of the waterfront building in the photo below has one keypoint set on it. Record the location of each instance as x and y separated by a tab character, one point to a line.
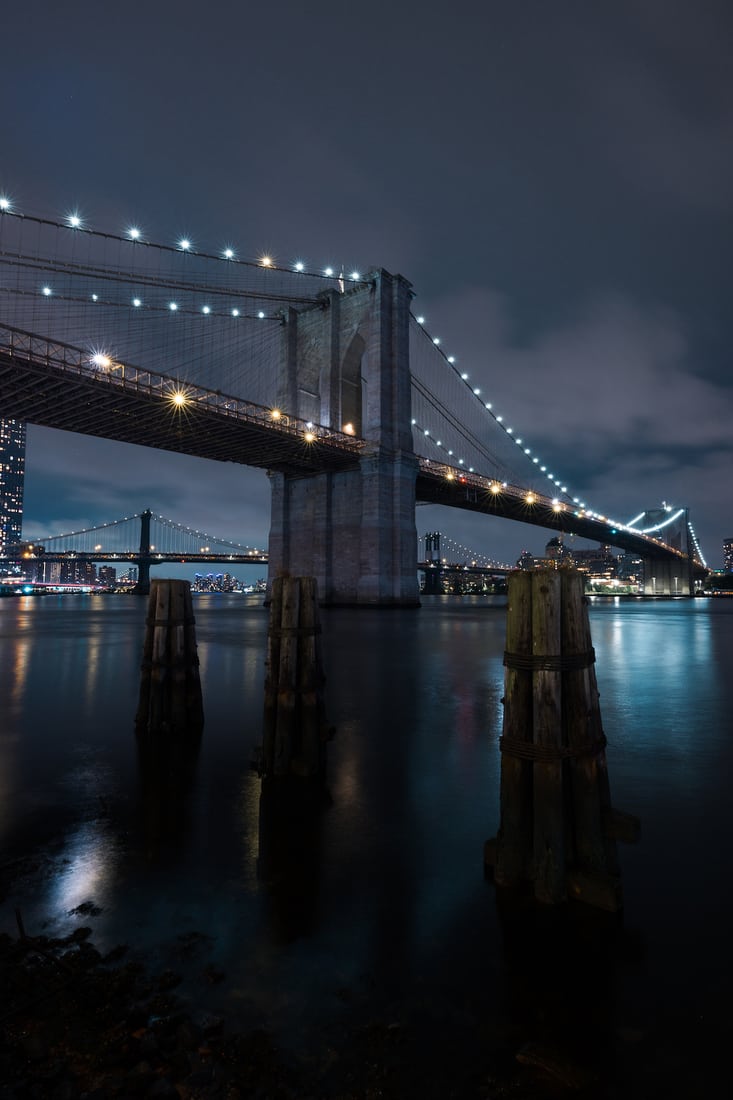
630	569
12	476
555	550
599	562
75	571
728	555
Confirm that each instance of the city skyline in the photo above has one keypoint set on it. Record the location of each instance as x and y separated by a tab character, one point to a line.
556	185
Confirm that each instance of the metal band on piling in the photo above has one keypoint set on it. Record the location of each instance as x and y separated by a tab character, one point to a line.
293	631
171	622
561	662
528	750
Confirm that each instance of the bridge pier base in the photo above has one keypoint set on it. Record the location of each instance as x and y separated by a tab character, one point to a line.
353	530
142	586
432	585
666	578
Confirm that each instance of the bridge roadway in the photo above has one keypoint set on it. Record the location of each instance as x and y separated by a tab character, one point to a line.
57	386
123	557
132	557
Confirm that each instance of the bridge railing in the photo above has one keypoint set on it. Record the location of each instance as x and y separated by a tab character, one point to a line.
100	368
492	487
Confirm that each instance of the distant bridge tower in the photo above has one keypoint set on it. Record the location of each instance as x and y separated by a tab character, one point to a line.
432	546
665	577
345	364
143	559
432	585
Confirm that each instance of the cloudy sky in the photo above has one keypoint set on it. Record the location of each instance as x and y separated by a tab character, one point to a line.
554	178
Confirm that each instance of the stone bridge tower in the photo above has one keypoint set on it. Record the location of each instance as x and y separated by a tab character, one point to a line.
345	365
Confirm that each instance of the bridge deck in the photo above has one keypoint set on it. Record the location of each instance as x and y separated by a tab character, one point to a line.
472	494
55	386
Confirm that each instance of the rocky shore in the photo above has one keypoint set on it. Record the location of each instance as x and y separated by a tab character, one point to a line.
79	1025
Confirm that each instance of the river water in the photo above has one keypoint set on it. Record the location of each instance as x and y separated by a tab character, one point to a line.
377	908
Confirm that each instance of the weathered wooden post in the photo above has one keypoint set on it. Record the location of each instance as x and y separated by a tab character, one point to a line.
170	687
557	828
295	729
514	849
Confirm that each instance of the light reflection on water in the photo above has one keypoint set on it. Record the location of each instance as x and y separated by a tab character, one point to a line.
382	892
87	869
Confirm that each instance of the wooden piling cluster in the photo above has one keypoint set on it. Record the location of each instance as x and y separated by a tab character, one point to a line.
295	729
170	686
557	831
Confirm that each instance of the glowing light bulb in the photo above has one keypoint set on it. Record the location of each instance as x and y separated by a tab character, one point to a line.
235	313
420	320
265	261
95	297
101	360
275	414
228	254
74	221
184	244
309	437
4	203
206	309
136	302
133	233
355	276
328	271
46	291
178	398
299	265
261	315
436	339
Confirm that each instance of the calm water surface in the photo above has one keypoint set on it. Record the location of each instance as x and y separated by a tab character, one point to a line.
377	906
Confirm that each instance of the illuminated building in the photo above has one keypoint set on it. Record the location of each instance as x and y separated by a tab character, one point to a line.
12	474
728	555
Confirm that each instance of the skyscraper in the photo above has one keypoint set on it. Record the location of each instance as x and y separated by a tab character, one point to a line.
728	555
12	476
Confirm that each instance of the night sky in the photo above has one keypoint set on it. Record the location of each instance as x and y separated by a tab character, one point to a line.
554	179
